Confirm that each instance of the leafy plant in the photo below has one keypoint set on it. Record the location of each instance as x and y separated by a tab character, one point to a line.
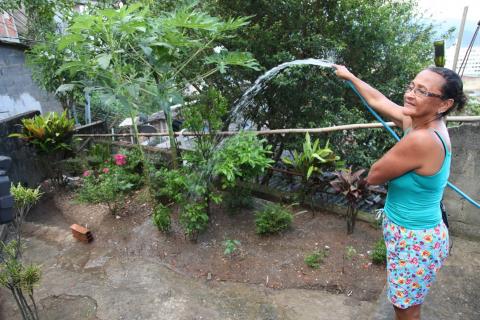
379	254
311	160
107	186
14	275
231	247
49	134
354	188
314	259
25	198
161	218
194	219
19	279
272	219
170	186
241	157
350	252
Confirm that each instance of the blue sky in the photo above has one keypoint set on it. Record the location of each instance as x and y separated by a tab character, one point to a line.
448	13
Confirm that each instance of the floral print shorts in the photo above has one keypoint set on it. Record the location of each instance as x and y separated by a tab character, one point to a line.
413	260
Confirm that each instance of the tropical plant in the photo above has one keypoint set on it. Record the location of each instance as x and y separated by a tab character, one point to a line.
312	158
314	259
19	279
379	254
49	134
25	198
139	58
272	219
354	188
14	275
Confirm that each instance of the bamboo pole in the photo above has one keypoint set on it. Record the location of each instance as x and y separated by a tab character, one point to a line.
279	131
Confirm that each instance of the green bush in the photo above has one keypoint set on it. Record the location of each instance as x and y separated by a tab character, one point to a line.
107	186
272	219
161	218
194	219
169	185
314	259
379	254
241	157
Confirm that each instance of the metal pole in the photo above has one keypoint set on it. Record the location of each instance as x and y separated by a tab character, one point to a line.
460	38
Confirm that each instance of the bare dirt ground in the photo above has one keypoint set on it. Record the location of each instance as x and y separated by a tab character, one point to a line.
275	261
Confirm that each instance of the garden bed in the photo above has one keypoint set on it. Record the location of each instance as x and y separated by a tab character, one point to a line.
275	261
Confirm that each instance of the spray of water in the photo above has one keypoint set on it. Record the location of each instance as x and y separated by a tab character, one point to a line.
247	98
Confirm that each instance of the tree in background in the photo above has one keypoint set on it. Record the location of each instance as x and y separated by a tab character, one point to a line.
383	42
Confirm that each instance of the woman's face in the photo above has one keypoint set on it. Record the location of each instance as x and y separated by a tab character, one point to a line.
422	98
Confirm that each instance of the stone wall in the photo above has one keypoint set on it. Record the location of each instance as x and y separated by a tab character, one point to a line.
464	218
18	92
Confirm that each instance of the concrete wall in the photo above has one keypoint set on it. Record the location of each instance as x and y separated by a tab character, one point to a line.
18	92
464	218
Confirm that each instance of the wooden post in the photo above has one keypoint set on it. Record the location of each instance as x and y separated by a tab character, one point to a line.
460	38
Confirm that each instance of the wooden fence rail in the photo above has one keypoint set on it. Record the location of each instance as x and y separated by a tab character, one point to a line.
278	131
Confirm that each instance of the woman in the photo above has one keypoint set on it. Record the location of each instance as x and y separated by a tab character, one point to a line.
417	170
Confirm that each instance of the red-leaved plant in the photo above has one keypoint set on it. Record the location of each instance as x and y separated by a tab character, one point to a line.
354	187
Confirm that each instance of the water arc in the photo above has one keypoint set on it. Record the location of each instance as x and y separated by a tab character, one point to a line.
260	83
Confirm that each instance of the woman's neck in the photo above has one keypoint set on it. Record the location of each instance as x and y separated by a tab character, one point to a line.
425	123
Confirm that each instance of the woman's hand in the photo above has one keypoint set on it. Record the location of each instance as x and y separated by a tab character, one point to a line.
342	72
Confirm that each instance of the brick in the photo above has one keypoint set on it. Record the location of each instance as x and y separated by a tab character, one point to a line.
81	233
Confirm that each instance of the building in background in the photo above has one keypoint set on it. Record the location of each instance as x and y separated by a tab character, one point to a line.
472	68
18	92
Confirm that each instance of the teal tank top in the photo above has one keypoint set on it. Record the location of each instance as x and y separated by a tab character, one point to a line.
413	200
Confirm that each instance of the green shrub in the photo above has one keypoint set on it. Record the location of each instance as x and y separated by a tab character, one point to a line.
379	254
231	247
241	157
169	185
272	219
194	219
161	218
314	259
108	186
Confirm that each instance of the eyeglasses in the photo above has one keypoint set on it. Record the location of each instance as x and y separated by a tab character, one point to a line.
421	93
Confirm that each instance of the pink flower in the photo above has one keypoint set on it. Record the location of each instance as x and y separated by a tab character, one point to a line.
416	247
86	173
106	170
120	159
